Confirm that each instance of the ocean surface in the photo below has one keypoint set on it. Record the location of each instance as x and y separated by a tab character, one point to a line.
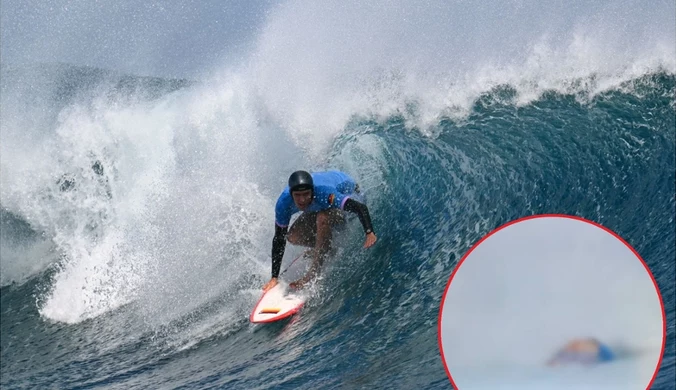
137	213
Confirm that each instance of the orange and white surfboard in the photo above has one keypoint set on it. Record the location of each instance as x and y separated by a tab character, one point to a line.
276	304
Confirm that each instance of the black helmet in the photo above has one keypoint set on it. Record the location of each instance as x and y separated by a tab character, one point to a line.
300	181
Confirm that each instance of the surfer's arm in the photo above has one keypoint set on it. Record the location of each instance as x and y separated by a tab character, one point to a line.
278	247
362	212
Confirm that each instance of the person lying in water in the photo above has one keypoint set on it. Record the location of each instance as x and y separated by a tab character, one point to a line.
323	197
583	351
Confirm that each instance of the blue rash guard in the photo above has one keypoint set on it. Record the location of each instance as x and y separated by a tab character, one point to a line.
331	190
605	353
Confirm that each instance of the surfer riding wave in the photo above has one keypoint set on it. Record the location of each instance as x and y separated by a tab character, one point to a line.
323	198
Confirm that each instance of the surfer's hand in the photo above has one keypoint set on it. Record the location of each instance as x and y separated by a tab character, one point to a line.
272	283
370	240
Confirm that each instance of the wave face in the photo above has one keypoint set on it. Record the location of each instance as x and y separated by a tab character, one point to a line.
137	213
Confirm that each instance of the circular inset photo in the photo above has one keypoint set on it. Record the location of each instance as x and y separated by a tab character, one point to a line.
551	302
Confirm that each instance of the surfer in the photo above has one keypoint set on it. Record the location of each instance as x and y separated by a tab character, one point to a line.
323	197
585	351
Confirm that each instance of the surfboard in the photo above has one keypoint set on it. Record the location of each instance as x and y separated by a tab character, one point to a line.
276	304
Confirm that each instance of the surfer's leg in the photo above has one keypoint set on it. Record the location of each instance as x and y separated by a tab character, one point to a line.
326	221
303	230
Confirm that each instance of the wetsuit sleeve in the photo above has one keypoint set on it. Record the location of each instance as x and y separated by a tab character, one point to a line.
278	246
362	212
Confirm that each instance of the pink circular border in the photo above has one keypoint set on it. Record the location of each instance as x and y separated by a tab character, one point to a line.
450	280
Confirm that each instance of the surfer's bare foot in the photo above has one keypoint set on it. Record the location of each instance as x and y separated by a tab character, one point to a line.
298	284
272	283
